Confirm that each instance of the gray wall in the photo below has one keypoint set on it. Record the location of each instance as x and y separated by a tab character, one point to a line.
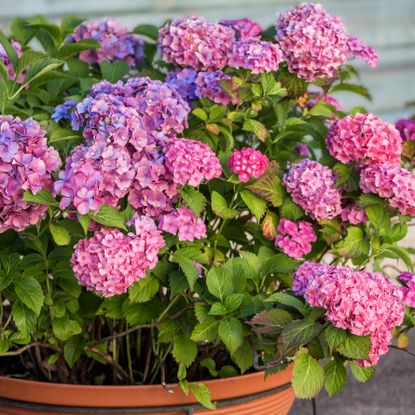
388	25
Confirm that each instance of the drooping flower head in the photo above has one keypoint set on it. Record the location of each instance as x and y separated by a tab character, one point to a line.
316	44
110	262
312	187
117	44
363	52
255	55
408	278
247	163
294	238
183	81
6	60
364	136
26	163
364	303
406	128
208	86
195	43
244	28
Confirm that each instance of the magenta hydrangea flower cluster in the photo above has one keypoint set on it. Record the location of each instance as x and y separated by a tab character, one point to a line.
247	163
109	262
195	43
315	44
26	163
364	303
183	81
184	223
244	28
295	238
392	182
408	278
312	187
363	52
353	213
207	86
406	128
5	59
364	136
255	55
117	44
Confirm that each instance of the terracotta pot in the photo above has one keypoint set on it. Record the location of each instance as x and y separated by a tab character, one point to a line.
242	395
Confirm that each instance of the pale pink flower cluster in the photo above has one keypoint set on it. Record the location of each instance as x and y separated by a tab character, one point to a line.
315	44
184	223
109	262
354	214
117	44
195	43
364	303
255	55
408	278
244	28
26	163
312	187
191	162
294	238
247	163
392	182
207	86
364	136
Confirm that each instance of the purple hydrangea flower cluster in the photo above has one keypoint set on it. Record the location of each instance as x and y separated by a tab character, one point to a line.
364	303
26	163
183	81
294	238
195	43
117	44
312	187
255	55
391	182
64	111
109	262
364	136
207	86
408	278
315	44
5	59
354	214
247	163
406	128
244	28
184	223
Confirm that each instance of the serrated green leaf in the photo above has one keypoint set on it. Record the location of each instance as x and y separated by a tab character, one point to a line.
30	293
356	89
335	337
188	267
271	321
143	290
202	393
184	350
355	347
288	300
64	328
219	283
60	234
109	216
41	198
244	356
84	221
73	349
257	128
231	333
298	333
353	245
255	204
114	71
200	113
220	207
23	317
379	218
362	374
334	376
147	30
193	199
206	331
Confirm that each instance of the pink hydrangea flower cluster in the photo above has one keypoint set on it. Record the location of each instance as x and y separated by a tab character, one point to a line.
117	44
294	238
363	52
364	136
406	128
354	214
316	44
391	182
364	303
195	43
110	262
255	55
183	81
408	278
95	175
312	187
184	223
191	162
207	86
244	28
26	163
247	163
5	59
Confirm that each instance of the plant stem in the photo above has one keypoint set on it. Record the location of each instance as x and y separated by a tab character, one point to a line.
314	403
403	350
129	361
28	346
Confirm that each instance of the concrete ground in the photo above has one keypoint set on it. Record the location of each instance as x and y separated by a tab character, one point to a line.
391	391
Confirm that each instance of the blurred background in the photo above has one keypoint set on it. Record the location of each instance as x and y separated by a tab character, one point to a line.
387	25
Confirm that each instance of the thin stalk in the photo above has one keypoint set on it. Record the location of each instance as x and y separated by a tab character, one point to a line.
129	360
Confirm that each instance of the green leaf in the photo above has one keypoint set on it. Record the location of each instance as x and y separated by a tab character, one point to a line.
288	300
24	318
64	328
188	267
256	205
38	69
84	221
220	207
41	198
244	356
147	30
355	347
60	235
298	333
394	251
271	321
202	393
279	264
70	49
231	333
321	109
356	89
362	374
257	128
353	245
308	375
184	350
143	290
271	87
5	280
73	349
290	210
30	293
379	218
200	113
109	216
334	376
114	71
194	199
206	331
219	283
335	337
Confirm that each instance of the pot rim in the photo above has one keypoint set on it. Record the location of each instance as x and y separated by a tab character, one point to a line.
136	395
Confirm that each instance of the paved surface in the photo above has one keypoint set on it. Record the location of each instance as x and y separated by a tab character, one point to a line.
391	391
